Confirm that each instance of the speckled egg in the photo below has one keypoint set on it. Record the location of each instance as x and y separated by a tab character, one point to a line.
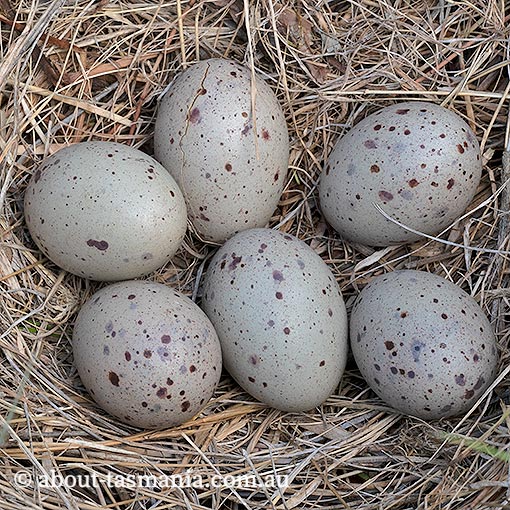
422	343
280	318
229	160
418	161
146	353
105	211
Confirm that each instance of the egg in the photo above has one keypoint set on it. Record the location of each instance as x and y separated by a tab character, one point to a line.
147	354
423	344
105	211
229	159
418	161
280	317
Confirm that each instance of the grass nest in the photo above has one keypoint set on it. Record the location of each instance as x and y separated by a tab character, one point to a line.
75	71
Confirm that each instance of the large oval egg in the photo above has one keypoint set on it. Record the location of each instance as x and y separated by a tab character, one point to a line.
280	317
229	159
423	344
146	353
105	211
418	161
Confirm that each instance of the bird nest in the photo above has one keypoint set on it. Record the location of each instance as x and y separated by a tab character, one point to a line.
75	71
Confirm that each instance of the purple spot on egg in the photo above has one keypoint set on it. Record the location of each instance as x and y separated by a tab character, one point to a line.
278	276
246	128
370	144
100	245
460	380
385	195
234	263
479	383
194	116
161	393
469	394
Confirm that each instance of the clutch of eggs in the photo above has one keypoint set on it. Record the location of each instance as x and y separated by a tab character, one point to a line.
280	318
418	161
221	133
105	211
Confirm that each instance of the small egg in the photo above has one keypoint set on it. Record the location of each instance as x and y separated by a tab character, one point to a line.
418	161
423	344
105	211
147	354
229	160
280	318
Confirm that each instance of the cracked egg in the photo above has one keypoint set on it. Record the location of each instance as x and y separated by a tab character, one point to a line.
229	160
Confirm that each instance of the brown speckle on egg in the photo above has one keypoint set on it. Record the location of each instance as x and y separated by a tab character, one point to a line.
114	378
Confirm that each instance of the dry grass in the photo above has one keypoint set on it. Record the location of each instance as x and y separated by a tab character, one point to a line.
73	71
